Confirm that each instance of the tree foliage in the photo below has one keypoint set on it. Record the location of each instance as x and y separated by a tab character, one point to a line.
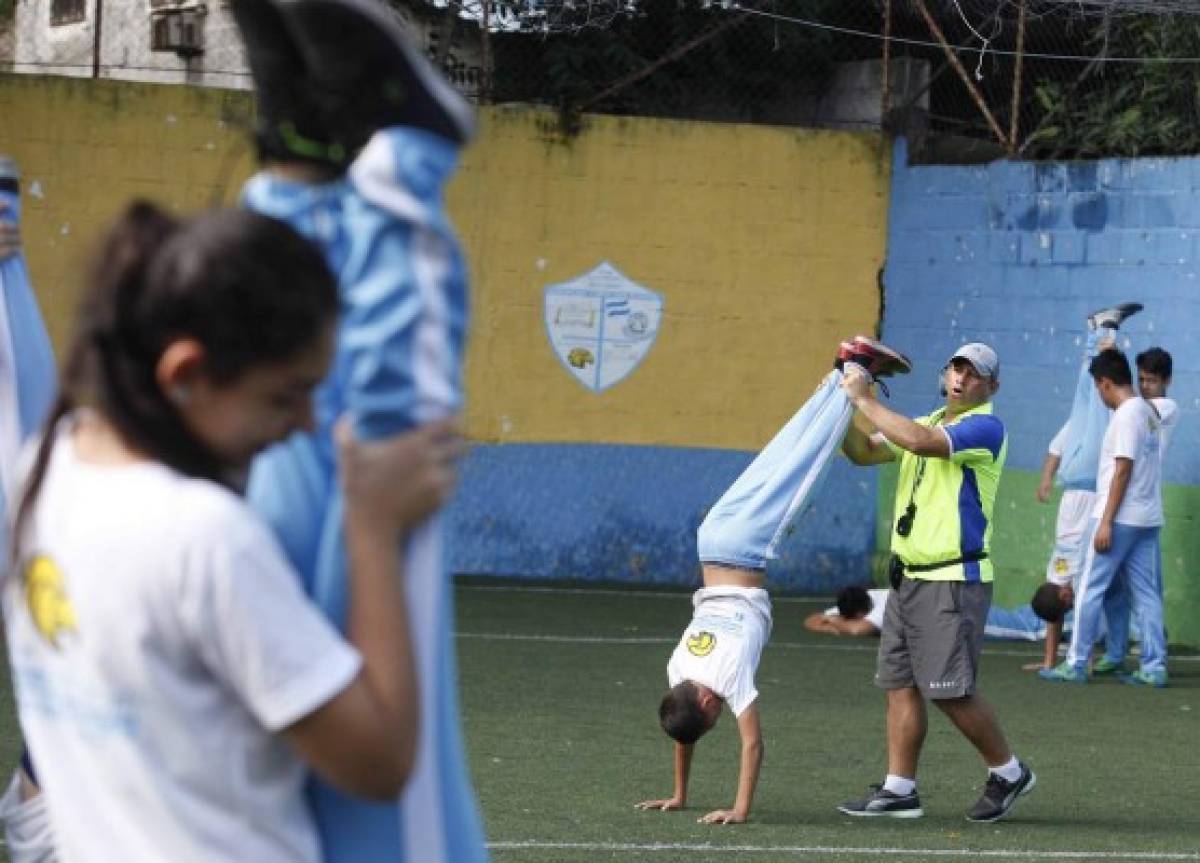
1126	109
745	68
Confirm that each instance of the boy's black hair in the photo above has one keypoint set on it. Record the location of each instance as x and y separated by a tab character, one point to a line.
1155	361
1111	365
854	602
680	715
1048	603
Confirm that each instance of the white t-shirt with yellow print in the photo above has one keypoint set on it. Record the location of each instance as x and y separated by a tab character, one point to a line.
722	645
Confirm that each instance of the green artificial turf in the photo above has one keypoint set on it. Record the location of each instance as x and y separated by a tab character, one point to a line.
560	691
559	694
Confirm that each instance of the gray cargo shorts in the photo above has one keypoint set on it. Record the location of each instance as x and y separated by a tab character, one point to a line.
932	636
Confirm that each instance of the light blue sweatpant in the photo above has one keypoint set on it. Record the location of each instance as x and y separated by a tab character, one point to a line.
1085	426
746	525
398	363
1137	550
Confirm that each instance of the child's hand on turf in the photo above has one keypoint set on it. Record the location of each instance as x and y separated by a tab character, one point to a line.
671	804
1033	666
723	816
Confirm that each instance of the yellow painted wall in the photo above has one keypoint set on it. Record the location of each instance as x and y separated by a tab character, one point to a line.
765	243
86	147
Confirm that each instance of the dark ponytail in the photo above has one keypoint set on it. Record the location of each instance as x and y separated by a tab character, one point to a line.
247	287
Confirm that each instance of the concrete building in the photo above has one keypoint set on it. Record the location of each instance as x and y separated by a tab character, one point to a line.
180	42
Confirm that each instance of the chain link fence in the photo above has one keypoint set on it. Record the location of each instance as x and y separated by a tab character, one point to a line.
961	78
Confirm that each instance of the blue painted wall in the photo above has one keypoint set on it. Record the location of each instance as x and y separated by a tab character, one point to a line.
630	513
1017	254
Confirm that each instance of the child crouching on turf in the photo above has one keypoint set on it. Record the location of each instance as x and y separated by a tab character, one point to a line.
172	679
716	660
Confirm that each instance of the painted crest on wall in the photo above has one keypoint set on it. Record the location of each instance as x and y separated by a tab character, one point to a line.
601	325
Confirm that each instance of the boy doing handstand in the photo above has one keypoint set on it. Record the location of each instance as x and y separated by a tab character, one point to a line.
715	662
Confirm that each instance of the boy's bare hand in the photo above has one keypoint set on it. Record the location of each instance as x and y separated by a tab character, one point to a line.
723	816
671	804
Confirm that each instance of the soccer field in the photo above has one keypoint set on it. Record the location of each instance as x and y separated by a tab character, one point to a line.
560	690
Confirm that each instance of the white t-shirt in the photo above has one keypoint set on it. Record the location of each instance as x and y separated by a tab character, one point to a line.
1058	441
1168	415
721	647
1134	432
879	598
159	641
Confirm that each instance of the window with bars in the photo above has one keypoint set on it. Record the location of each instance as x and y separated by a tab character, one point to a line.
67	12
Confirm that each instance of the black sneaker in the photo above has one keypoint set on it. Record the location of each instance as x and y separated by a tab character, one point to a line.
368	74
999	795
1113	316
881	803
288	125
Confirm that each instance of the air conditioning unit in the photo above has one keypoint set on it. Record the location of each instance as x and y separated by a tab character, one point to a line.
178	30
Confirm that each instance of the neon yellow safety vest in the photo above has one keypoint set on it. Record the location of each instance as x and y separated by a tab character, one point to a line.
954	497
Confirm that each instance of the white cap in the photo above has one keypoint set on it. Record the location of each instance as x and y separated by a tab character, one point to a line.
982	357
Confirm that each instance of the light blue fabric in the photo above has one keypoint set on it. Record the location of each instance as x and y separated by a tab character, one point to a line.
398	363
34	367
1016	624
1085	426
1115	625
1137	550
756	513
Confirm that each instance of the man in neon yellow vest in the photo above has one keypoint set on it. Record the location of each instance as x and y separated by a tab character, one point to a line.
941	574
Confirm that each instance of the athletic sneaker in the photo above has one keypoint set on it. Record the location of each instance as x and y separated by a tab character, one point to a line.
1157	679
878	359
1105	666
880	803
1064	672
999	795
287	126
1113	316
369	75
845	352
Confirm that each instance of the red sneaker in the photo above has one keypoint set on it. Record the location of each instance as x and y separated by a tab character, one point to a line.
844	354
878	359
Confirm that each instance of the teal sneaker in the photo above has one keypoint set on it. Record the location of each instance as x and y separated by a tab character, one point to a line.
1157	679
1105	666
1064	672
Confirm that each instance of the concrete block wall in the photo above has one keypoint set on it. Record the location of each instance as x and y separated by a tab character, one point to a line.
1017	254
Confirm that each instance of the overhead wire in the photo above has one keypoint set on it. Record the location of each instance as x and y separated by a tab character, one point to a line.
923	43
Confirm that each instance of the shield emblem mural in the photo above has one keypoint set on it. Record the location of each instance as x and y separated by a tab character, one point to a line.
601	325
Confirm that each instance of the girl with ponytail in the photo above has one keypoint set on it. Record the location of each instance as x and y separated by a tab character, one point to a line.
172	679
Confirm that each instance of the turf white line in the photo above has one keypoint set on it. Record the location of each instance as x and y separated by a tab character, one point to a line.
1032	651
682	593
815	850
655	639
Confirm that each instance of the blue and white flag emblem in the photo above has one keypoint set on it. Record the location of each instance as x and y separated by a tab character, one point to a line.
601	325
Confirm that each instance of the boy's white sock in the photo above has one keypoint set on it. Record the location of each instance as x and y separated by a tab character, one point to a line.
899	785
1010	771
